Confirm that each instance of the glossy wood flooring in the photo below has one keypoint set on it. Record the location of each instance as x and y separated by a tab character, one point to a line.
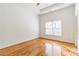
40	47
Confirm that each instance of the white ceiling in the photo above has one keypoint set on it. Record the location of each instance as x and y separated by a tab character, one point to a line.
44	5
55	7
43	8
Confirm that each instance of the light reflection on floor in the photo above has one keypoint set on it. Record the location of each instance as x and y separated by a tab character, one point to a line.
52	50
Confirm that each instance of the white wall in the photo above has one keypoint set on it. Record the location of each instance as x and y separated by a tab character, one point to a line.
67	16
77	14
18	23
78	30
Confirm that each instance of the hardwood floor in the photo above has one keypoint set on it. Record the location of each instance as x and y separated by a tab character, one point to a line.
40	47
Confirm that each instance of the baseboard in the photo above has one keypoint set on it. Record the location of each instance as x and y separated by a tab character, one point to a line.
18	43
55	40
33	40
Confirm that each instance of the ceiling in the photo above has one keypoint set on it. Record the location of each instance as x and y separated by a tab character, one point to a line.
44	5
43	8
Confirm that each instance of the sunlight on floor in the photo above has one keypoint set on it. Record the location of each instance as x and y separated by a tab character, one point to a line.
52	50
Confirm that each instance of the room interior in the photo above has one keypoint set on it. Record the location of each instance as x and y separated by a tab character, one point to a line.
38	29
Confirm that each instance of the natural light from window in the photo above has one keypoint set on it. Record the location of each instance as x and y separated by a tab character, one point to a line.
53	28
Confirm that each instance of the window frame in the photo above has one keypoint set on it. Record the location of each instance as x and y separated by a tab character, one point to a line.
53	31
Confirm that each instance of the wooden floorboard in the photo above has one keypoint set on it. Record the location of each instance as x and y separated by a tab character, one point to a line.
40	47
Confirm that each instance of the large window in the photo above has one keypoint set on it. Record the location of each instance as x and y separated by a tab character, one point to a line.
53	28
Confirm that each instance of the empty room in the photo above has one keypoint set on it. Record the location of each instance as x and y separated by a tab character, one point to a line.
38	29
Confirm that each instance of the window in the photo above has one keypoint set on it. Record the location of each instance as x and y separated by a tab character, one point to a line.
53	28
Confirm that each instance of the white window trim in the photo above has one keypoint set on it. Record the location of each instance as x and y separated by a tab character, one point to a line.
54	28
